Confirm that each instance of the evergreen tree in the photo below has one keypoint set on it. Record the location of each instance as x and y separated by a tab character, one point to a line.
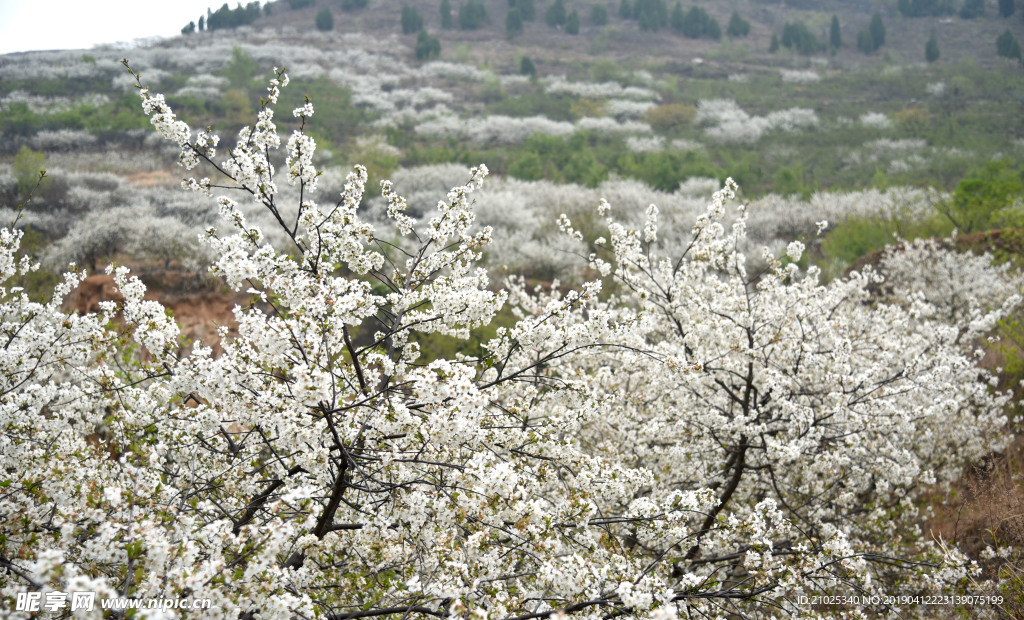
738	27
325	20
427	46
711	29
572	22
865	42
835	37
678	18
526	67
1007	7
598	15
774	45
189	29
1007	46
626	9
527	10
931	49
925	8
877	30
556	14
202	23
972	9
412	21
353	5
472	15
514	23
651	14
796	35
446	14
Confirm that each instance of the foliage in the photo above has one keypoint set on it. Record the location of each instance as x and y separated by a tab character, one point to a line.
924	8
189	29
427	46
556	14
527	9
353	5
300	4
27	167
670	117
773	46
650	14
865	42
598	15
235	106
1007	46
472	15
913	119
338	118
526	67
972	9
738	27
226	17
446	15
877	30
695	23
796	35
572	23
988	197
325	20
931	49
1007	8
513	23
835	36
241	69
412	21
533	104
858	236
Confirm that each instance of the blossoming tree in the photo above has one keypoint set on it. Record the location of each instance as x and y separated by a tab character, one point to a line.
676	436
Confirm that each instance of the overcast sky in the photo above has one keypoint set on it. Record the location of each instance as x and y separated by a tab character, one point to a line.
80	24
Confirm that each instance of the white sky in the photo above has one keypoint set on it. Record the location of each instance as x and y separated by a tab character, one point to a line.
80	24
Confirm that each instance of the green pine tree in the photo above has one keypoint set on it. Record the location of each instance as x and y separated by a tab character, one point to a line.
1007	46
446	15
526	67
835	37
514	23
931	49
325	20
556	14
877	30
572	23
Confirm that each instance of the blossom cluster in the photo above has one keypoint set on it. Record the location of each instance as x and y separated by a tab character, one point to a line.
674	436
727	122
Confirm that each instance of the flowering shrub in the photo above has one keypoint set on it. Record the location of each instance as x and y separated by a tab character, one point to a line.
727	122
797	76
876	120
673	437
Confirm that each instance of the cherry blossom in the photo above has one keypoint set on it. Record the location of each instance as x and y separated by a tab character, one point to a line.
677	435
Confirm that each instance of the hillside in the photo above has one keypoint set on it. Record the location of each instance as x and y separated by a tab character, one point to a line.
652	321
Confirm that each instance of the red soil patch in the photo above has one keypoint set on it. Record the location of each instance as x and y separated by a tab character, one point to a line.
198	314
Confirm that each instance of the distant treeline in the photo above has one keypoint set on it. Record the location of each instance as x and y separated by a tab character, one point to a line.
226	17
232	18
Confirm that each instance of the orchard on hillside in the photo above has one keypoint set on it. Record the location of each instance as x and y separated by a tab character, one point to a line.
681	436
